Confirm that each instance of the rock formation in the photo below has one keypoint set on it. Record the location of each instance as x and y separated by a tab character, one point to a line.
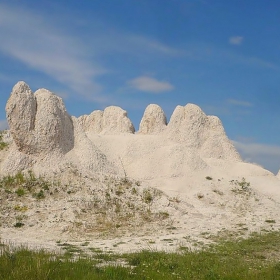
92	122
113	120
39	122
45	135
153	121
190	126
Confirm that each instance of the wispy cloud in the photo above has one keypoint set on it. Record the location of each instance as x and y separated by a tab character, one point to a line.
240	103
153	45
250	61
33	41
149	84
236	40
73	60
263	154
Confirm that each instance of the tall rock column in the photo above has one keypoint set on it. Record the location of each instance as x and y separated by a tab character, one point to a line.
39	122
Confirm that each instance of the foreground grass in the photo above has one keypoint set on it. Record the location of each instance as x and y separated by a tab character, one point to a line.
253	258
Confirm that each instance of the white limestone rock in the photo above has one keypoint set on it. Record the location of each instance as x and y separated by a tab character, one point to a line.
216	143
21	111
187	125
190	126
115	121
153	120
39	122
92	122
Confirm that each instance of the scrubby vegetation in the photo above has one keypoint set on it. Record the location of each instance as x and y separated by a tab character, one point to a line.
241	187
3	144
253	258
108	206
23	184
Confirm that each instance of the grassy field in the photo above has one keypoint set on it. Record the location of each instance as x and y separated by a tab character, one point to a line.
255	258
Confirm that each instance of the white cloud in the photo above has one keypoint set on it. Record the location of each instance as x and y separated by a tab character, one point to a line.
263	154
154	45
236	40
149	84
39	45
71	59
240	103
3	124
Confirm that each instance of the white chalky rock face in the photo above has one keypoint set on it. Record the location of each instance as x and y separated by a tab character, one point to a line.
45	135
21	110
216	143
39	122
115	121
92	122
153	120
190	126
187	124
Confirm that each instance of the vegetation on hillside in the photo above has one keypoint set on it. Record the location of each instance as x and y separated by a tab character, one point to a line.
3	144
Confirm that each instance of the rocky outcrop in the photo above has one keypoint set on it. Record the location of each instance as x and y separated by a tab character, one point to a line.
190	126
115	121
92	122
215	143
153	120
39	122
46	137
187	125
20	111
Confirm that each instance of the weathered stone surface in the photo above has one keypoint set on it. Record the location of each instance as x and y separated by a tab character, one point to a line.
39	122
92	122
21	111
216	143
190	126
153	121
187	124
46	137
115	121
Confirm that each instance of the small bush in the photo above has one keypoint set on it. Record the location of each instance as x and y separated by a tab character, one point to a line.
20	192
18	224
163	215
209	178
39	195
3	144
244	185
147	196
21	208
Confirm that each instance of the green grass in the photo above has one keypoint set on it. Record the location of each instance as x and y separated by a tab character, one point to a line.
3	144
253	258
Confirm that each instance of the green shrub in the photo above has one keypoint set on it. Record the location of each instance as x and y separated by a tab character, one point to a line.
20	192
19	224
147	196
39	195
3	144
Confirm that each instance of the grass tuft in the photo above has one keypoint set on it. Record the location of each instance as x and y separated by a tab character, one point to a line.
253	258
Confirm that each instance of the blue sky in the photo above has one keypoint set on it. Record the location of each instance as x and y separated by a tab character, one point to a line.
221	55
